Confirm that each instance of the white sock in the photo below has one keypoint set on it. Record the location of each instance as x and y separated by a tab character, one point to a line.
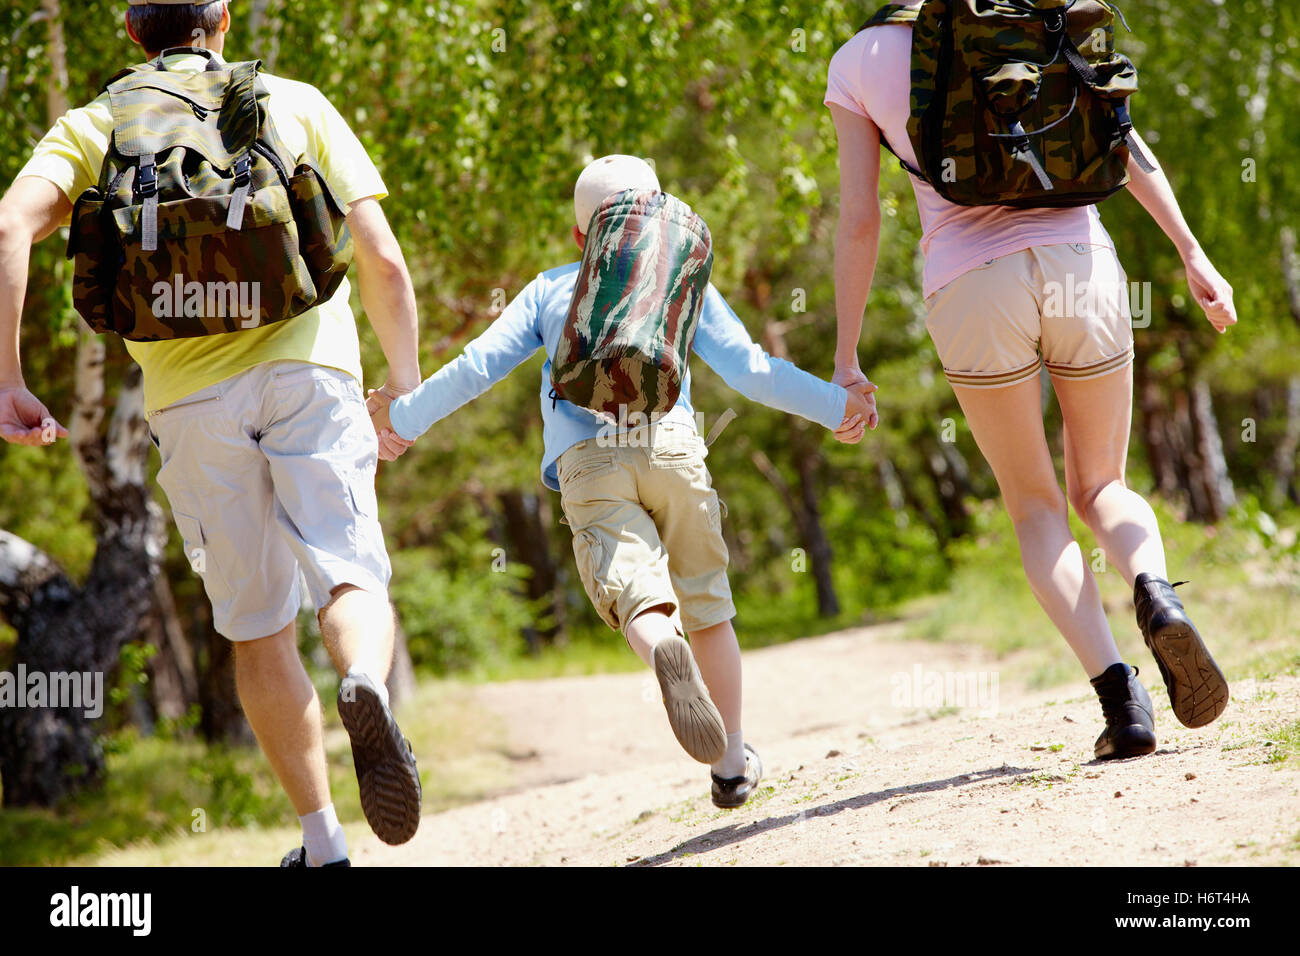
732	763
380	686
322	837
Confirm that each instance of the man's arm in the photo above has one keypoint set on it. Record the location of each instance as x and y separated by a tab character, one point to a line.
857	237
30	211
1211	290
388	298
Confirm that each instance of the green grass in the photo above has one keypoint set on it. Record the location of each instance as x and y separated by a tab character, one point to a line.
178	793
1245	562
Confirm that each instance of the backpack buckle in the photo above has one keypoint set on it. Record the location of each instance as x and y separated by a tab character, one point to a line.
1054	20
147	180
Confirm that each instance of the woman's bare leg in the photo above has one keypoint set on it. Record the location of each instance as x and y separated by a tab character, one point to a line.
1098	415
1008	427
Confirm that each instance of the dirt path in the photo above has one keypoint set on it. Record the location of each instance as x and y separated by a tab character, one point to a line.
855	776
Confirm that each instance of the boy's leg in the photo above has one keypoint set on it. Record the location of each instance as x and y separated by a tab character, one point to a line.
358	629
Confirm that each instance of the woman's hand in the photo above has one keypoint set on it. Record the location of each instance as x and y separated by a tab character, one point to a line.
1210	290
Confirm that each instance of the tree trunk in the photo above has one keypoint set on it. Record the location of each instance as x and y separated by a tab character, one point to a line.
1211	467
807	518
47	753
173	680
525	528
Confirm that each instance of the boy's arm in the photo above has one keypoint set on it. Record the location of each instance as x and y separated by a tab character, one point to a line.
507	343
724	344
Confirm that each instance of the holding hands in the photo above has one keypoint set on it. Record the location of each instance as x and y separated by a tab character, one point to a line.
860	409
391	445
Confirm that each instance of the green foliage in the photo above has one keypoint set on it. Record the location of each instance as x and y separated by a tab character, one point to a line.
454	621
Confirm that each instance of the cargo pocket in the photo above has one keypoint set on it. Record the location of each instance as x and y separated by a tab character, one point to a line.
1011	91
589	555
195	544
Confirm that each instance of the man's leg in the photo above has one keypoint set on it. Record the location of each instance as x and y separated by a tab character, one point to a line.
357	628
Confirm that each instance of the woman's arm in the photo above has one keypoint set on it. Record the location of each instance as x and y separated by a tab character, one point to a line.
857	237
1210	290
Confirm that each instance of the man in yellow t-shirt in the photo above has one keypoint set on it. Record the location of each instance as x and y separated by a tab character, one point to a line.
268	452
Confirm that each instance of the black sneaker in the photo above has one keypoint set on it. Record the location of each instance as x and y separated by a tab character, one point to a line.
385	765
298	858
695	720
732	792
1197	688
1130	727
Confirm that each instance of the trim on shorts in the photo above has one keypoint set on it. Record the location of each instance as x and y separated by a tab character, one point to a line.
994	379
1094	370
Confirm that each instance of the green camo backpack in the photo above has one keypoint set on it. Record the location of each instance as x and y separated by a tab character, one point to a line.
201	222
640	289
1018	102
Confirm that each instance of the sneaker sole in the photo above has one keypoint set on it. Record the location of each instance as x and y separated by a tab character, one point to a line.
1197	688
695	720
386	773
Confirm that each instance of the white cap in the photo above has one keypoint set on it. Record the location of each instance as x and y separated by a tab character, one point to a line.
606	176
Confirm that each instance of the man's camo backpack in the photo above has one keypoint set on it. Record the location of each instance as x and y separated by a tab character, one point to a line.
640	289
197	185
1018	102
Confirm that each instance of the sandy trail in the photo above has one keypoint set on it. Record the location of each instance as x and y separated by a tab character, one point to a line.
854	776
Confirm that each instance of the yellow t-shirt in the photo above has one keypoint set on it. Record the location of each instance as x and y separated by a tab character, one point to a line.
70	156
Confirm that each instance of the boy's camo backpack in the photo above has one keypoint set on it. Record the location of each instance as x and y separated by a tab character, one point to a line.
644	274
198	194
1018	102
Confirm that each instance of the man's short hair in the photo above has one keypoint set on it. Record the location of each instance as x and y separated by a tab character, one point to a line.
159	26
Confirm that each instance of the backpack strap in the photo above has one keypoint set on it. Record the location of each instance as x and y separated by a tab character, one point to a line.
146	182
891	13
212	67
1055	21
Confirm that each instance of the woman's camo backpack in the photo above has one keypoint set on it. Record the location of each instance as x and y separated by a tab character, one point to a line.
640	289
1018	102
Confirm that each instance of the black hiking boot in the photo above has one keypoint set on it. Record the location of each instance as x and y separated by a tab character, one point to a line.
1197	689
1130	727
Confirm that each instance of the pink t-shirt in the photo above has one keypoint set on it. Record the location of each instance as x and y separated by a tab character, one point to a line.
871	76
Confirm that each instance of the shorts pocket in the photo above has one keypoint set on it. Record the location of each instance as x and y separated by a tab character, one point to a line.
586	468
194	542
589	555
361	487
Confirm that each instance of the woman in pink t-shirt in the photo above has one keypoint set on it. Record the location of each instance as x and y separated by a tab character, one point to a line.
993	283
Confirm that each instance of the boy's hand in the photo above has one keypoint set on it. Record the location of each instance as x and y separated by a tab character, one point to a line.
859	413
391	445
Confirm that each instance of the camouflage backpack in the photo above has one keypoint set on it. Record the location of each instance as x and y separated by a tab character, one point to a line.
1018	102
201	223
640	289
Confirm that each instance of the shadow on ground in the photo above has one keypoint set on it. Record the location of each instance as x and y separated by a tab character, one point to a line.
729	835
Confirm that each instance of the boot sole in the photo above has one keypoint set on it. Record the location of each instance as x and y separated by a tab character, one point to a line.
695	720
1197	688
387	777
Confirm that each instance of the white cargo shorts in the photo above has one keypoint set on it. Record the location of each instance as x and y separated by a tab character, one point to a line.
268	473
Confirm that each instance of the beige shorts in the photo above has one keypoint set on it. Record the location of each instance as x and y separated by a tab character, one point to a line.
1069	301
647	527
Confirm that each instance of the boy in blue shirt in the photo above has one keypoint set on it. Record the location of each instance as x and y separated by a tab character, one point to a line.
646	522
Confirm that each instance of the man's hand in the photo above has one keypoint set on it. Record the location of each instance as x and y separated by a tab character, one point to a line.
1210	290
391	445
24	420
859	413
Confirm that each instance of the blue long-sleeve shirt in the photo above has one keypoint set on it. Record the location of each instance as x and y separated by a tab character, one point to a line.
535	319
